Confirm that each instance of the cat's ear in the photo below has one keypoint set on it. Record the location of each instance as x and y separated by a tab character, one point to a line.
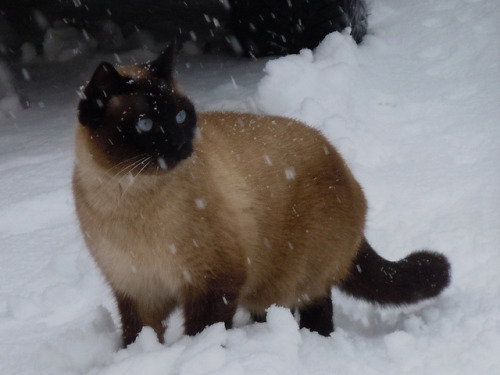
105	83
162	67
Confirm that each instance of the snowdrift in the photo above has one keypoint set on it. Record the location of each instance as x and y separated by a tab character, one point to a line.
413	109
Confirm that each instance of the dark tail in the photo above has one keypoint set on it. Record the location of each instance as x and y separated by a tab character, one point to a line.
421	275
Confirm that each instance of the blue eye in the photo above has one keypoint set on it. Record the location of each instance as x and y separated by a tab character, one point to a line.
144	125
181	117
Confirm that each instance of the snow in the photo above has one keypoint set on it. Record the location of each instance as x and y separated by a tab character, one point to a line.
9	100
414	110
162	163
201	204
64	42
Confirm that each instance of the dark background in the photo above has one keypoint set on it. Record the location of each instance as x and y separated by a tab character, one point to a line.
251	27
27	20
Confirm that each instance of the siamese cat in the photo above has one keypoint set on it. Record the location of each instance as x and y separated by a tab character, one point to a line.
214	211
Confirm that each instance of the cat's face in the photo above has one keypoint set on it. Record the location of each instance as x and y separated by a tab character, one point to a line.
138	116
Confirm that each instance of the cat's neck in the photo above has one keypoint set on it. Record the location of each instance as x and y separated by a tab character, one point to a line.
122	188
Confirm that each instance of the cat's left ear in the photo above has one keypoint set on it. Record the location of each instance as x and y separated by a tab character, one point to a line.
162	67
104	84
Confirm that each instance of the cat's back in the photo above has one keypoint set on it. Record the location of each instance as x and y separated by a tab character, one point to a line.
259	130
272	152
258	141
294	185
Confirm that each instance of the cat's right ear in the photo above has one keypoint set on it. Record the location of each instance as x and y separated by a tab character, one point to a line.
162	66
104	84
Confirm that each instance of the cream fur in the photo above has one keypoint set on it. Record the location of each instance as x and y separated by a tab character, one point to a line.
267	196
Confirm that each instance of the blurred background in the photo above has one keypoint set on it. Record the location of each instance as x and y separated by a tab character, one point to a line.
34	32
30	28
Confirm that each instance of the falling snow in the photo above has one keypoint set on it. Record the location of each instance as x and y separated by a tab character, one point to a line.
173	249
267	159
187	275
290	173
200	203
162	163
414	111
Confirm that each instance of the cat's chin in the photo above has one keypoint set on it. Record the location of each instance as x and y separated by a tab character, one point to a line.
169	161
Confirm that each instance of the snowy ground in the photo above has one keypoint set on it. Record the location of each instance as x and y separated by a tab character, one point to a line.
414	110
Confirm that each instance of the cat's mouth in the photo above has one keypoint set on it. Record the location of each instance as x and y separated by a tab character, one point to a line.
175	154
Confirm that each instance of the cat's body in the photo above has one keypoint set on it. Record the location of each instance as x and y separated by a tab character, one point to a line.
251	211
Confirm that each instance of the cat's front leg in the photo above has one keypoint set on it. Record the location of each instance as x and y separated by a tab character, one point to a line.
212	303
134	316
130	319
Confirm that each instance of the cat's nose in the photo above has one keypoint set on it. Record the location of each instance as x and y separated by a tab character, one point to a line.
177	143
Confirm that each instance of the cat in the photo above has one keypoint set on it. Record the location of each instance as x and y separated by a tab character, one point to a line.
219	210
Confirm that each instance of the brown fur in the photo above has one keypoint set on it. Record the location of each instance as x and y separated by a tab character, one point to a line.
228	212
264	211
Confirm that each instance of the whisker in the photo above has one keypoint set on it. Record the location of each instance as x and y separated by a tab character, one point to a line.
145	163
123	162
126	179
155	179
128	163
128	168
135	165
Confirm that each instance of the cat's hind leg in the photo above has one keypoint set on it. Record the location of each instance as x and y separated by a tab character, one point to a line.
215	302
317	316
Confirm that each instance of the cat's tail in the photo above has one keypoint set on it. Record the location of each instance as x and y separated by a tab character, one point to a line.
421	275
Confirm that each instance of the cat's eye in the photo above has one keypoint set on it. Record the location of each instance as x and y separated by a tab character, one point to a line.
181	116
144	125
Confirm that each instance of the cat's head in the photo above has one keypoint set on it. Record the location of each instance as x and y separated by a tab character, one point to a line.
135	113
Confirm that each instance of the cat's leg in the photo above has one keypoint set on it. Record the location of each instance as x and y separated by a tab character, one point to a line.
317	316
215	302
135	316
130	319
154	314
259	317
